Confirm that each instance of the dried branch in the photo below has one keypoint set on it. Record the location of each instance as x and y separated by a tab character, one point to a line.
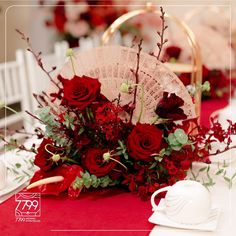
38	58
37	99
133	41
136	74
35	117
161	35
15	145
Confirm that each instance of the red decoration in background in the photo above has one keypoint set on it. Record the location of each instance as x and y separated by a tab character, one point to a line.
95	16
219	82
60	16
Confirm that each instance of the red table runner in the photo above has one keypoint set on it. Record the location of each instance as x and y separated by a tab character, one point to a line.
108	212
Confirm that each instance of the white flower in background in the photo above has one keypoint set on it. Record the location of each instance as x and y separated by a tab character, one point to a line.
191	89
73	12
218	18
77	29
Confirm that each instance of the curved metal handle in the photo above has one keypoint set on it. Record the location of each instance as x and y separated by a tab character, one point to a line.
196	77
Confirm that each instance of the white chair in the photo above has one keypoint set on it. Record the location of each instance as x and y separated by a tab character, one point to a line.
14	90
37	79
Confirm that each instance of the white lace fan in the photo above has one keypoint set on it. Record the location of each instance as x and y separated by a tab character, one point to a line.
112	65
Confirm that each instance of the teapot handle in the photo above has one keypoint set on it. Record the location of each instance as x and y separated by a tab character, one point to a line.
154	206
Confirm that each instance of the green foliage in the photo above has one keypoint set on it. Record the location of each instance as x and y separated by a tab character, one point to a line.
69	122
18	165
177	139
159	156
221	172
206	87
88	181
53	128
78	183
17	169
121	150
89	113
11	145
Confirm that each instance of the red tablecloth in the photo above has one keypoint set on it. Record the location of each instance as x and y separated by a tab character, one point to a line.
109	212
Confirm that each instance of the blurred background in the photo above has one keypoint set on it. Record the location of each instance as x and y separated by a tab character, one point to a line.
53	26
73	19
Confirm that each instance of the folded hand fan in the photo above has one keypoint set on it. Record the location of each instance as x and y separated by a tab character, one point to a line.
113	65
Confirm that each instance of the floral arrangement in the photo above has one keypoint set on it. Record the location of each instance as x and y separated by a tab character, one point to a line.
88	18
217	79
91	142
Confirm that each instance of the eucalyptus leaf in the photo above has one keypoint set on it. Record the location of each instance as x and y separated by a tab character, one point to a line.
172	140
181	136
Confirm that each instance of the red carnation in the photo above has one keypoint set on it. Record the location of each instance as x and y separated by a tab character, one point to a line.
169	107
80	92
108	121
144	141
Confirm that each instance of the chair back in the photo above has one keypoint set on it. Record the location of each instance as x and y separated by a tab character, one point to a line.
14	92
38	80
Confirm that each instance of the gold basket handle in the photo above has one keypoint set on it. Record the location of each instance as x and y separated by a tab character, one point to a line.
196	71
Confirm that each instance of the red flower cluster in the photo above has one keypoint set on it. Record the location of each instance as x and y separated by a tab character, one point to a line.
108	121
220	84
101	148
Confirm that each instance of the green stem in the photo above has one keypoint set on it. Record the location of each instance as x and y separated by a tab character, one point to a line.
72	63
70	160
142	103
155	120
113	159
10	109
48	150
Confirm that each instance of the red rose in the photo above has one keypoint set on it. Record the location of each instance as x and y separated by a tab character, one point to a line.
93	161
144	141
43	158
80	92
68	172
169	107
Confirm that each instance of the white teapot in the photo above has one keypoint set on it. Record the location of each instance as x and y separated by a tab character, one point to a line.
186	202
